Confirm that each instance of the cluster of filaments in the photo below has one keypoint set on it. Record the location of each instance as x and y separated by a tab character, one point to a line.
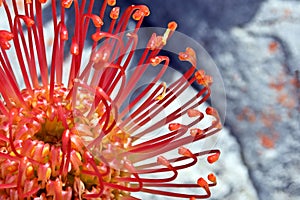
73	141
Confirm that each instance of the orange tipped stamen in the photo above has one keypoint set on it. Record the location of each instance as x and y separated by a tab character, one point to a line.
172	26
212	178
185	152
202	78
28	21
111	2
6	35
162	160
194	113
202	183
211	111
114	13
196	132
174	126
188	55
213	158
66	3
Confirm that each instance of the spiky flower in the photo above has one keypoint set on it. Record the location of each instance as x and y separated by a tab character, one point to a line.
74	130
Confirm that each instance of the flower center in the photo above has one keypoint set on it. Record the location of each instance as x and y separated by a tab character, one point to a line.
47	142
46	121
51	132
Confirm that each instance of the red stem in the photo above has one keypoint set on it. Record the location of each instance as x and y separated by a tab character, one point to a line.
41	44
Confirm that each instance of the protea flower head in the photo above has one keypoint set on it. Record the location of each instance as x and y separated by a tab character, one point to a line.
70	130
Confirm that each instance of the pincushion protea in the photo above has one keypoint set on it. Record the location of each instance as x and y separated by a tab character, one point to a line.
81	140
